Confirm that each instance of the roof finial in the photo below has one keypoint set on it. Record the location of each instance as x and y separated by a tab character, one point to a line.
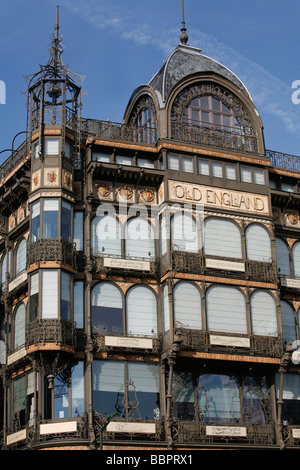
56	38
183	37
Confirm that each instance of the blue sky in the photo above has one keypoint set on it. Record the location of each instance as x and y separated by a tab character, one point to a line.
119	44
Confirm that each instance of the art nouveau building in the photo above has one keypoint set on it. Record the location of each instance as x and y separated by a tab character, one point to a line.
149	269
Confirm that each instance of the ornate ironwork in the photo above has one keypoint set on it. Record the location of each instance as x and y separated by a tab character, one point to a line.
100	346
284	160
51	330
51	249
241	138
98	265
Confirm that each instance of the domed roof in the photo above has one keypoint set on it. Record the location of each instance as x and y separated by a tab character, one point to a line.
183	61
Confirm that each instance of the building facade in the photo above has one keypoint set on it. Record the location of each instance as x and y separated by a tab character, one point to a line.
149	269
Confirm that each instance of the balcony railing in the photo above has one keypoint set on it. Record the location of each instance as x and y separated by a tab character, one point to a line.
284	161
51	330
51	249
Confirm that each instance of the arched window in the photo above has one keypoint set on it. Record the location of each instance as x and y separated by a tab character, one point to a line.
106	235
141	311
3	270
187	305
288	322
222	237
139	238
19	327
107	308
166	308
263	314
184	234
226	309
283	258
21	257
296	259
258	243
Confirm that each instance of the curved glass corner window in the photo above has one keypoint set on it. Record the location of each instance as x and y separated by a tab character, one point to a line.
263	314
49	303
222	237
258	243
184	233
50	218
107	309
187	306
141	311
226	310
21	257
296	259
66	220
283	258
106	235
34	297
19	327
139	238
35	221
288	320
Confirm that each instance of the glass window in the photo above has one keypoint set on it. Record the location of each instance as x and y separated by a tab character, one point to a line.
166	308
3	270
141	311
283	258
122	160
65	295
230	172
101	157
50	294
19	330
258	243
113	381
36	150
23	399
139	239
35	221
34	297
187	306
287	187
263	314
259	176
187	164
184	234
2	342
21	257
296	259
218	398
50	218
288	322
52	146
246	175
291	397
78	302
226	310
68	149
173	162
217	169
107	308
66	221
69	390
78	230
203	167
106	235
145	163
222	237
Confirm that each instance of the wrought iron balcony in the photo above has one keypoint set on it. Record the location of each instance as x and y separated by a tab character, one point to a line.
106	263
284	161
51	249
230	138
50	330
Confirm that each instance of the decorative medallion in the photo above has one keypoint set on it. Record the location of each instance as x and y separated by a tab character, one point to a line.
103	191
147	195
125	192
36	180
67	182
292	218
51	177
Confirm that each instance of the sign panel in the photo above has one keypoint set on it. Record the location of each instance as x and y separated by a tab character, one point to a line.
223	264
238	431
53	428
129	342
288	282
16	437
220	198
141	428
229	341
127	264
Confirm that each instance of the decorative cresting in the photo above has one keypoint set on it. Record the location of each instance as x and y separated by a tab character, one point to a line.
241	137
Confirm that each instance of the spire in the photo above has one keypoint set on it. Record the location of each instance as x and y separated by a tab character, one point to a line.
56	49
183	37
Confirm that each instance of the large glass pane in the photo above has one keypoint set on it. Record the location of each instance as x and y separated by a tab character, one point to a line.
263	314
143	391
226	309
66	224
139	241
184	234
50	294
173	162
258	243
21	257
19	332
106	235
256	400
283	258
108	386
246	175
296	259
218	398
35	222
107	308
19	400
61	397
288	322
187	306
78	230
78	389
79	303
34	297
291	398
3	270
222	237
50	218
65	295
141	311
